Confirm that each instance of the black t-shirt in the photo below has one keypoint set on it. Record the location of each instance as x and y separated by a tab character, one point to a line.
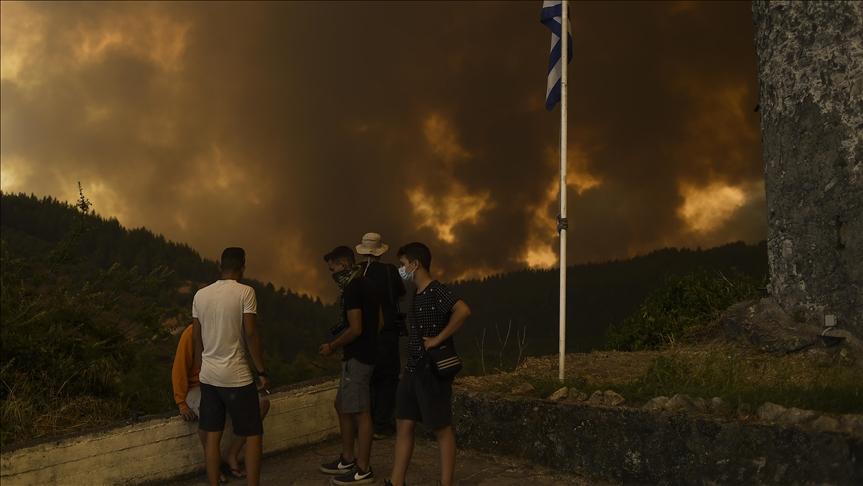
429	316
361	294
390	288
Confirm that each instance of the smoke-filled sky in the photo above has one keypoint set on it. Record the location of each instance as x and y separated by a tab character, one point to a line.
289	128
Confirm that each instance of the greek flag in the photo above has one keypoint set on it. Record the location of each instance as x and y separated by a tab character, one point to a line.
552	11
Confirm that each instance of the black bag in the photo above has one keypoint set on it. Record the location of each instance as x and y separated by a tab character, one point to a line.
444	359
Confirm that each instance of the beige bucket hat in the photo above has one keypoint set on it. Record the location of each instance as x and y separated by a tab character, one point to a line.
372	245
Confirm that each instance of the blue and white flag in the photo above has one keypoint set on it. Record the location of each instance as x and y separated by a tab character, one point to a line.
552	11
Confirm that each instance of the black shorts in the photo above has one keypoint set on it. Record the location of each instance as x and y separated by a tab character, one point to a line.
423	397
240	402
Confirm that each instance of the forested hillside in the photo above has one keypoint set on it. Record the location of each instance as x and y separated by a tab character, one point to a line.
91	312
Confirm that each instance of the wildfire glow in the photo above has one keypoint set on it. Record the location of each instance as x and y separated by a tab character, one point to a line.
538	252
706	208
443	213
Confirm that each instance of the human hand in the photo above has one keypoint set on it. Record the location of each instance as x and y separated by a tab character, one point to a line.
326	349
264	383
430	342
188	414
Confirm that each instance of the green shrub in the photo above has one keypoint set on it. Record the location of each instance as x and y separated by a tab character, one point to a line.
680	304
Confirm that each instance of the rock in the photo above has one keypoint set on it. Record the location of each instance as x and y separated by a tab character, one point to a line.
701	405
766	325
851	424
797	416
560	394
744	410
719	407
613	398
680	403
523	389
577	396
607	398
770	412
826	424
656	404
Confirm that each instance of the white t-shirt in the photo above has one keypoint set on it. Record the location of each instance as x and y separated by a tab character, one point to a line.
219	307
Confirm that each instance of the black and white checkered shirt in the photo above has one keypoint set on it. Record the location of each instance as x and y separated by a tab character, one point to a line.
428	316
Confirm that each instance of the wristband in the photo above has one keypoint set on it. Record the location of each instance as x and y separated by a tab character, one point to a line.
263	373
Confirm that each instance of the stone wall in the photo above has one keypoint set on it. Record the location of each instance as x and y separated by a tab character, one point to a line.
163	448
649	447
810	64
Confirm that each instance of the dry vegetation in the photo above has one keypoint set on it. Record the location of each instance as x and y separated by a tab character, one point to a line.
818	379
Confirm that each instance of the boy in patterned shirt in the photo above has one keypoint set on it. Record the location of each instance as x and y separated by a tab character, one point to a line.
422	396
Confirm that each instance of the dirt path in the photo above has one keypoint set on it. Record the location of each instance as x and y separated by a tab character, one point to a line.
300	468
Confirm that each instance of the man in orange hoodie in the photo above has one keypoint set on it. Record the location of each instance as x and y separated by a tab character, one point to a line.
187	395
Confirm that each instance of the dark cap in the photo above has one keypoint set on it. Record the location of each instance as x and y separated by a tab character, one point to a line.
340	252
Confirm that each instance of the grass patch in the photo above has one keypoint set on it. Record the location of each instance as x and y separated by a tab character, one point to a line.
740	378
723	371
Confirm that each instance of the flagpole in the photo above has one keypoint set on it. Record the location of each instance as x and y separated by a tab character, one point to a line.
564	24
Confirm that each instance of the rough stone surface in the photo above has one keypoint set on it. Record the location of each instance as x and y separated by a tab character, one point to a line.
796	416
680	403
770	412
764	324
656	404
852	424
560	394
825	423
607	398
635	446
810	64
718	406
523	389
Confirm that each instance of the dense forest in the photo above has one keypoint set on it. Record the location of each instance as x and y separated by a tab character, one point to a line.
91	312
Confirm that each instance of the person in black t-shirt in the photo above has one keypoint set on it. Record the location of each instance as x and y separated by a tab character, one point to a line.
390	289
422	396
361	310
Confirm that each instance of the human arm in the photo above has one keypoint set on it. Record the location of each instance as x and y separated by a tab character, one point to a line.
460	313
253	338
198	348
183	361
353	297
354	330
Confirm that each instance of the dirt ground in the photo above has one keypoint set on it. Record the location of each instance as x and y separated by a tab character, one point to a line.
300	468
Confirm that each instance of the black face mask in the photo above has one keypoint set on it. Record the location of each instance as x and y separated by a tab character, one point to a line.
343	277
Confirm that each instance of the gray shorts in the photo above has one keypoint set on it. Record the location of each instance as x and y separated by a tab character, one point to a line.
354	395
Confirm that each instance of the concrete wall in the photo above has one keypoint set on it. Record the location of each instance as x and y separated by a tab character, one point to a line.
636	446
163	448
810	67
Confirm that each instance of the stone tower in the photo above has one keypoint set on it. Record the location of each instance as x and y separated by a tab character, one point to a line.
810	66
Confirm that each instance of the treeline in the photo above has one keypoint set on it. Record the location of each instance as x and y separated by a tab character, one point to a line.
599	296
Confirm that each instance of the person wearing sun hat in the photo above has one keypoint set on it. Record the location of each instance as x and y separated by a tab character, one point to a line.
385	378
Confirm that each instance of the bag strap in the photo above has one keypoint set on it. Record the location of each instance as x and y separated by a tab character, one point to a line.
393	299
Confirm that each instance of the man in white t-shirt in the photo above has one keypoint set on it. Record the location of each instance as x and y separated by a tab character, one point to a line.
223	316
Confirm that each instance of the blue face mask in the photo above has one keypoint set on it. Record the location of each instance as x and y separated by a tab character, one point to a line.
405	275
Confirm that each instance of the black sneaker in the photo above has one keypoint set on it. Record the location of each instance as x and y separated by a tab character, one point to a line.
339	466
355	477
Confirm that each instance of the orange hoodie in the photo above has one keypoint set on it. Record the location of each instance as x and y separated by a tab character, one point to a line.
183	376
